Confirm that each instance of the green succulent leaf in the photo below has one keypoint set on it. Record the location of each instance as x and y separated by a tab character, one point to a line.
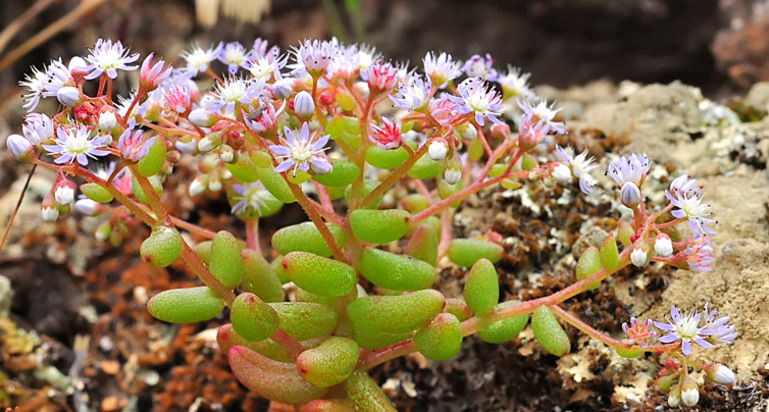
252	318
343	173
244	170
398	272
482	287
96	193
162	247
305	237
185	305
465	252
610	253
259	278
152	163
423	244
549	332
330	363
589	263
505	329
365	394
441	339
226	262
275	184
319	275
380	226
386	159
305	320
276	381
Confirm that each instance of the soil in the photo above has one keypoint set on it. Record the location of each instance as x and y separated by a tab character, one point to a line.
78	334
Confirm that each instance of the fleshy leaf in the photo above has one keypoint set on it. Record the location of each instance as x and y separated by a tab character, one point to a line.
275	184
305	320
342	174
153	162
386	159
441	339
162	247
465	252
330	363
482	287
589	263
365	394
260	279
305	237
423	244
380	226
609	253
319	275
252	318
398	272
96	193
549	332
187	305
275	381
226	262
505	329
244	170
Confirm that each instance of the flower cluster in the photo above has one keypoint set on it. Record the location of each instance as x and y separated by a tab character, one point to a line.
324	124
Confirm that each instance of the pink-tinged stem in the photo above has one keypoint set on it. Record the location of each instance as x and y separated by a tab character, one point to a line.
325	200
383	355
443	246
587	329
482	138
252	235
392	178
201	270
291	345
192	228
328	214
315	217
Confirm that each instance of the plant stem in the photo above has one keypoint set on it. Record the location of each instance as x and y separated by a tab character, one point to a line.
201	270
288	342
393	177
252	235
315	217
383	355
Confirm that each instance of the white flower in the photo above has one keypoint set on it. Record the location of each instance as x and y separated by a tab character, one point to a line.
562	173
639	257
437	150
663	246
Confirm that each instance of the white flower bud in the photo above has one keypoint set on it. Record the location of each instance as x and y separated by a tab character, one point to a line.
466	131
673	401
107	120
304	106
64	195
206	144
202	117
321	166
20	147
197	187
226	153
77	62
639	257
86	207
187	147
663	246
562	173
437	150
720	374
214	185
68	96
452	175
630	195
690	396
49	214
282	89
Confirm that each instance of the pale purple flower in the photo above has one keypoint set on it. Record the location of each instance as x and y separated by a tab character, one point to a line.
37	128
58	75
198	59
76	144
301	152
441	68
314	56
263	118
19	147
414	95
699	254
515	84
35	85
259	49
381	76
477	98
478	66
251	197
232	91
720	330
345	63
686	195
268	66
629	169
152	75
234	55
581	166
686	328
109	57
132	147
544	115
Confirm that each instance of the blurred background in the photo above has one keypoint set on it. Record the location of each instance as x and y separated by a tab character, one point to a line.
718	45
